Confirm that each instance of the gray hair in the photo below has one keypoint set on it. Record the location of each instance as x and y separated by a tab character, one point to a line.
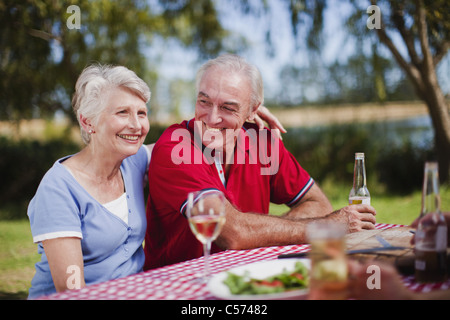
237	64
93	83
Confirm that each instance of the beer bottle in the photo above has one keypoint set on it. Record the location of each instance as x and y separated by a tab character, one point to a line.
431	234
359	192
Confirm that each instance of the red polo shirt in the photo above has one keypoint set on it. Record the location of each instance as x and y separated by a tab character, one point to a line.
257	177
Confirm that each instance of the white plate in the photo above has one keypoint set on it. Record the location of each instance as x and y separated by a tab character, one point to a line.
258	270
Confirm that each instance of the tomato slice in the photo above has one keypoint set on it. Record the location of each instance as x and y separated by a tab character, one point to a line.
298	276
274	283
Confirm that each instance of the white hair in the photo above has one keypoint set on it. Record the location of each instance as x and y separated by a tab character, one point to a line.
92	86
237	64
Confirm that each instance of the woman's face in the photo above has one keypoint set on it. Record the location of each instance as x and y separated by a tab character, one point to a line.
123	125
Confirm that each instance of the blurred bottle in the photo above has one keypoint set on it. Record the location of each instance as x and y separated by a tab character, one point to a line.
431	235
359	193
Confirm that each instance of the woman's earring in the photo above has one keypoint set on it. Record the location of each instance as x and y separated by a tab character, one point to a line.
91	131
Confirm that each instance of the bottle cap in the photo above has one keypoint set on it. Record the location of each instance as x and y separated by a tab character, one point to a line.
359	155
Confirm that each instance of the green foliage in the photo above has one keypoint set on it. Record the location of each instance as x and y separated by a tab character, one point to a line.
327	153
41	57
23	163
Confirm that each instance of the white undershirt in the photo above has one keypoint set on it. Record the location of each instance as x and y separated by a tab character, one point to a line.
119	207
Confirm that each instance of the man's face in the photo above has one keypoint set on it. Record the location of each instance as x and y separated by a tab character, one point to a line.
223	105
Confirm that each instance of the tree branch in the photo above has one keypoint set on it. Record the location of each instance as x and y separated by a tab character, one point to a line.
411	70
423	37
43	35
441	51
408	38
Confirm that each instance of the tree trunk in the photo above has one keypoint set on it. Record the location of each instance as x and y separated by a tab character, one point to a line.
422	73
427	88
439	112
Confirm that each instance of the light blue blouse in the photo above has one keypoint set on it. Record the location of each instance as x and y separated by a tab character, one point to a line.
111	248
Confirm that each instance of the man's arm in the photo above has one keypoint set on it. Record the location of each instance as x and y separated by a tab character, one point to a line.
314	204
248	230
252	230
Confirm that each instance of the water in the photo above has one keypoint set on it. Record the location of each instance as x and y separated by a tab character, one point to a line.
418	131
396	150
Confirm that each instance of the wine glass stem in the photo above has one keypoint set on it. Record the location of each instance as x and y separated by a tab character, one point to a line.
207	249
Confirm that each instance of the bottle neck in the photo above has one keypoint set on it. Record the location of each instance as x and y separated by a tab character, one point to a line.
359	173
431	200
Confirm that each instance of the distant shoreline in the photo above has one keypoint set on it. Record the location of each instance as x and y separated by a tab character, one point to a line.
342	114
308	116
290	117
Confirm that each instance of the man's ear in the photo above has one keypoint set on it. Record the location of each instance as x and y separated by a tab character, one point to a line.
253	112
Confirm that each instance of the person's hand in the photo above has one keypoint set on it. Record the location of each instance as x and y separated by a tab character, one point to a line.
376	280
357	217
263	114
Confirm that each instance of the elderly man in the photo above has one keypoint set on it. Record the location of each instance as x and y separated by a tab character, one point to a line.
220	150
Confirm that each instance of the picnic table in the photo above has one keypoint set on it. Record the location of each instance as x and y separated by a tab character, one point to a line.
180	281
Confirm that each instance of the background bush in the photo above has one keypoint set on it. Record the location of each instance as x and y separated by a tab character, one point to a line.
327	153
394	163
23	163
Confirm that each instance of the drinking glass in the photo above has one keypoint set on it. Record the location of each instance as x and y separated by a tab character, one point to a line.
206	215
328	279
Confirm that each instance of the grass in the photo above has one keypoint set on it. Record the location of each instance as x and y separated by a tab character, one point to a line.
390	209
393	209
18	253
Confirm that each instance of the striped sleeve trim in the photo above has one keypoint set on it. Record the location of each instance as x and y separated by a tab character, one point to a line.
302	192
202	192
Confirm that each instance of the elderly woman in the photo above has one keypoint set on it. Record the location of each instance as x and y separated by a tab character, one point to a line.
88	214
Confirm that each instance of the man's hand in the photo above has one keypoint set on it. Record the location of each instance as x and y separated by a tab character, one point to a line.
357	217
264	114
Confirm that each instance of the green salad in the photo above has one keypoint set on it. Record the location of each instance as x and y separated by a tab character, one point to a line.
285	281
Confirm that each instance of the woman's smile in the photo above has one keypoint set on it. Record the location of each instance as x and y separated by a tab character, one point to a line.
129	137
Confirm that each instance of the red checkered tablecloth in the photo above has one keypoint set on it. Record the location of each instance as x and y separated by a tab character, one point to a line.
181	281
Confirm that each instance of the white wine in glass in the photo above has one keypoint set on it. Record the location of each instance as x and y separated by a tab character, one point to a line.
206	215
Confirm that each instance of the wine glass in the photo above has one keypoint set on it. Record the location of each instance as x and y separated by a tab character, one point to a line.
206	215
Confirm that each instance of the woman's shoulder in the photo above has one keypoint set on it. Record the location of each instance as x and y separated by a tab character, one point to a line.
57	176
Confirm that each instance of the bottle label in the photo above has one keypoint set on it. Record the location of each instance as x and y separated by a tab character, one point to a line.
359	200
420	265
441	238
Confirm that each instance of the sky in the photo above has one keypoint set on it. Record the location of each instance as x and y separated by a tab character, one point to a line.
177	62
